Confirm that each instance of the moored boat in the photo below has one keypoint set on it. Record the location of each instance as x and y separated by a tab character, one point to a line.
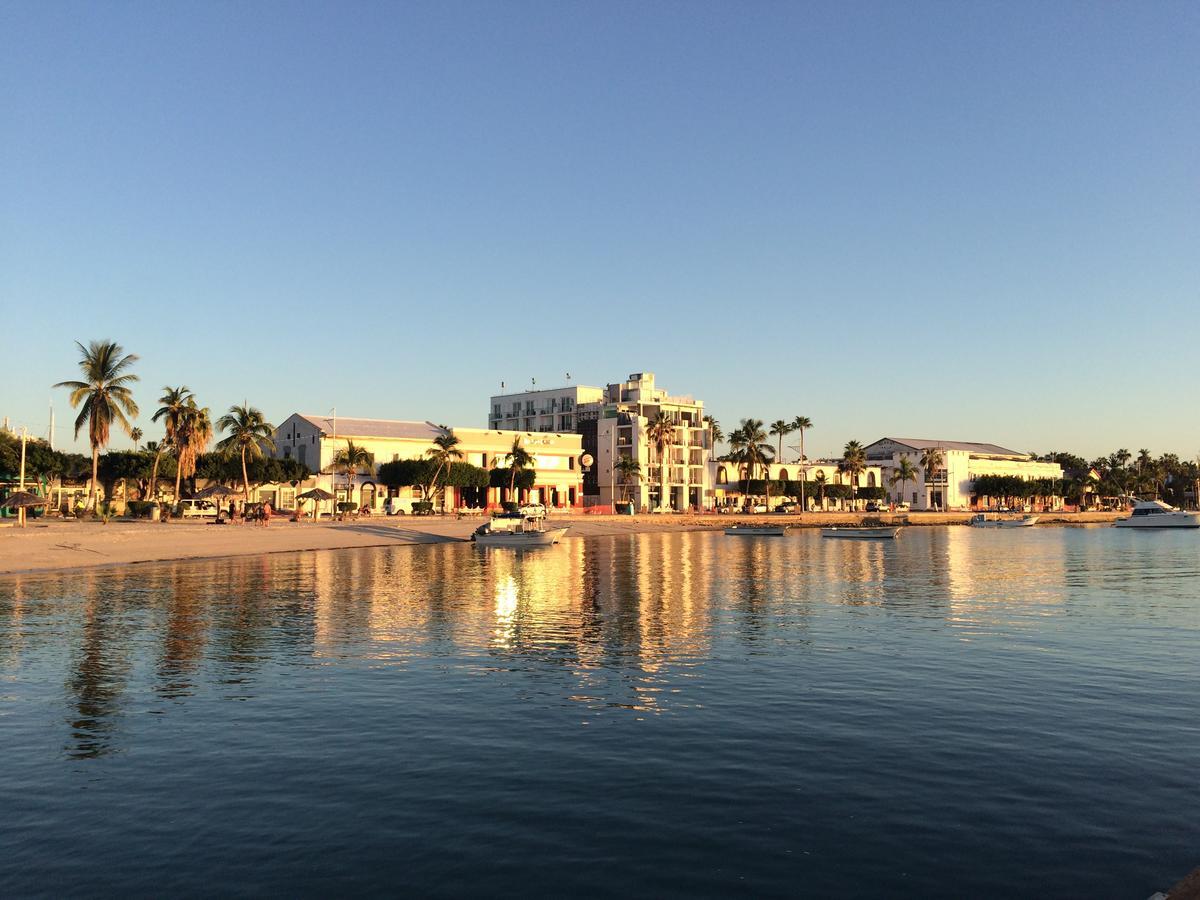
756	530
1156	514
846	532
991	520
520	531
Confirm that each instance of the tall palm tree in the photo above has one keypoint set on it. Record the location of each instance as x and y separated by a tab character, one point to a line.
445	451
351	459
782	428
802	424
249	437
661	433
103	397
854	461
819	478
714	431
933	460
518	459
135	435
756	450
172	410
630	471
905	472
193	437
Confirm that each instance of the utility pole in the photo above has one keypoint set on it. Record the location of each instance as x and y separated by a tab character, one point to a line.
21	511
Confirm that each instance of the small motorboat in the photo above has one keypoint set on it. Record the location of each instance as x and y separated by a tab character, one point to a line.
870	533
516	531
756	530
1156	514
991	520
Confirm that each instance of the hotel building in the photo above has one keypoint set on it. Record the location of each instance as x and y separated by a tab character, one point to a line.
614	422
313	440
728	476
952	487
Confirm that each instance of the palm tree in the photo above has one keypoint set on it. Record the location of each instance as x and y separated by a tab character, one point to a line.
802	424
819	478
445	451
518	459
630	470
135	435
933	460
854	461
905	472
249	437
103	397
661	433
782	428
350	459
194	435
756	451
173	410
714	431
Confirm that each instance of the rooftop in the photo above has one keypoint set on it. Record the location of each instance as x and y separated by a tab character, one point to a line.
350	427
968	446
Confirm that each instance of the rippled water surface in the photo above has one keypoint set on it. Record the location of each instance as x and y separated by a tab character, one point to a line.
958	714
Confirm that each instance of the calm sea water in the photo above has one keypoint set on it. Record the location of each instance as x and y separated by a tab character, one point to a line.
958	714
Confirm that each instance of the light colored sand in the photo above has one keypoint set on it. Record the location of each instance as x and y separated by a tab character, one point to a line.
55	544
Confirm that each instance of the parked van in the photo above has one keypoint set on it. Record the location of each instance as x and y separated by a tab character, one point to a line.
196	509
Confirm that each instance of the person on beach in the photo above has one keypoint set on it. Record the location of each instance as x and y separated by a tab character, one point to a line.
266	514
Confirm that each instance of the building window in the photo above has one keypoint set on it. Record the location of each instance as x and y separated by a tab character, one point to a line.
870	479
722	475
783	475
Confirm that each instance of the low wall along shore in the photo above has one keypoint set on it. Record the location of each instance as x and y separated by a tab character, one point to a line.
49	545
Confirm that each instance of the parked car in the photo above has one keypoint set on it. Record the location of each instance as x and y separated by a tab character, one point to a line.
787	508
875	507
533	511
196	509
902	507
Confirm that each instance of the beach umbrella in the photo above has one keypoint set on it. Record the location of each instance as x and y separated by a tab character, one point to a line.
21	500
317	495
215	490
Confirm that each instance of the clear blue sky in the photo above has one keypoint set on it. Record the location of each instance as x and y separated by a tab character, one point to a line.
968	221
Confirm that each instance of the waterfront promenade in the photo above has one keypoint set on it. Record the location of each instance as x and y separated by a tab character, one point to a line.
57	544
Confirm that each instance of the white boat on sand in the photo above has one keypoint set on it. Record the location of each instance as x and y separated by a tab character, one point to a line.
878	533
756	530
516	531
991	520
1156	514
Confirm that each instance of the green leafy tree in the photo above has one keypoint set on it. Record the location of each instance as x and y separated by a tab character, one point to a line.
904	473
249	437
661	433
802	424
518	459
853	464
172	410
443	452
350	460
103	397
781	428
630	471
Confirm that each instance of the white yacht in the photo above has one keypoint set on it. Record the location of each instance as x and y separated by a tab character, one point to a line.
516	531
1156	514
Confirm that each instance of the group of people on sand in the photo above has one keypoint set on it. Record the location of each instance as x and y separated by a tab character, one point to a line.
259	514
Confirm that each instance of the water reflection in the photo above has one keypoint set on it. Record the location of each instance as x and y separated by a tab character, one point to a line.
628	622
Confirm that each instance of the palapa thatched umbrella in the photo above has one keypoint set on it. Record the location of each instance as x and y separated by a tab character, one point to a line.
22	500
316	494
215	492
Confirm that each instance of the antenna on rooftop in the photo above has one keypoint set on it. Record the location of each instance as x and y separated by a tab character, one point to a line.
568	376
502	385
533	381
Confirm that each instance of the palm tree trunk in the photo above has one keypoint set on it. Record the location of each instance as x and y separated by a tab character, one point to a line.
154	473
802	473
178	474
93	501
245	478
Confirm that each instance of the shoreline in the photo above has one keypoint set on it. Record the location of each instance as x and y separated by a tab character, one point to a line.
68	545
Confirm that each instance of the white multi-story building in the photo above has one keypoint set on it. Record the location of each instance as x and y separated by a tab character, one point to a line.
313	440
952	485
614	421
553	410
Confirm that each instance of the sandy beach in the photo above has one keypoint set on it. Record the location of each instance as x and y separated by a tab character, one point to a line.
57	544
